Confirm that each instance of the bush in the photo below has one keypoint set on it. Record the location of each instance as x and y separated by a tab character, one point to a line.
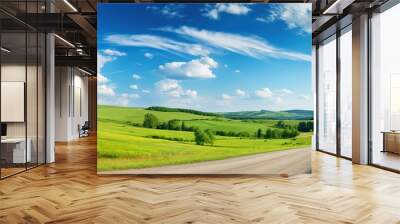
167	138
281	133
305	126
203	137
280	124
268	133
310	125
259	133
150	121
174	125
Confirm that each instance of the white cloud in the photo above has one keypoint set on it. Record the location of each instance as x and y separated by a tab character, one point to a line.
125	99
102	79
148	55
240	92
296	16
111	52
157	42
134	87
191	93
264	20
226	96
145	91
102	60
136	76
237	71
304	97
263	93
197	68
229	8
130	96
105	90
167	85
284	92
169	10
172	88
252	46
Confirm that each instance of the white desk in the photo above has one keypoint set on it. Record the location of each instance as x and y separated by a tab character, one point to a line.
19	153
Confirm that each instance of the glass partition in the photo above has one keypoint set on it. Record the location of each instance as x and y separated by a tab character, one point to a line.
22	91
385	89
13	109
346	93
327	95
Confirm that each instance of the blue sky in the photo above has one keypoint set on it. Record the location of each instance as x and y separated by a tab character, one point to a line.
210	57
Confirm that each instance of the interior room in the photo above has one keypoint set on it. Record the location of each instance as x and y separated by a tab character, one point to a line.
385	87
23	96
51	74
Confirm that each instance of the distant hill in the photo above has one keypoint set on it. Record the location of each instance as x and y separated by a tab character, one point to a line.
169	109
275	115
261	114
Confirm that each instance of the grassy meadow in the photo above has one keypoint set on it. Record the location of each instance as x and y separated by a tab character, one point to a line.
123	144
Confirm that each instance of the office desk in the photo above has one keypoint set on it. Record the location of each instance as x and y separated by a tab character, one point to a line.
15	148
391	141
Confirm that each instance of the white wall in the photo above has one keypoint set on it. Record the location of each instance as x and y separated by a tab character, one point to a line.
71	102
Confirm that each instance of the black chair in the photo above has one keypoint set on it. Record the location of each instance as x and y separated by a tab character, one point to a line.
84	130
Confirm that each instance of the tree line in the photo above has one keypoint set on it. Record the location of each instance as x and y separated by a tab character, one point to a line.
201	137
277	133
303	126
151	121
281	130
197	112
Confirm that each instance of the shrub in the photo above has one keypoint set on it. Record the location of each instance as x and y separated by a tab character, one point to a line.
203	137
150	121
174	125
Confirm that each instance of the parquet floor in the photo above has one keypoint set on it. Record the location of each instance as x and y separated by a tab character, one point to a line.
69	191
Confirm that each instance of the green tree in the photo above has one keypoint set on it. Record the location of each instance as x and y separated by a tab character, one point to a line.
302	126
183	127
150	121
211	137
259	133
280	124
204	137
285	133
293	133
276	133
174	124
200	137
310	125
244	134
268	133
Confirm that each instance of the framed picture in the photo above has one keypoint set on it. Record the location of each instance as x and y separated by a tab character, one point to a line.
222	88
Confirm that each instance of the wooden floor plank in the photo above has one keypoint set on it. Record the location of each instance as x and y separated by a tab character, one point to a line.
70	191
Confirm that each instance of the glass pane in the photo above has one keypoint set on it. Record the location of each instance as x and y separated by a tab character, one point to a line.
31	98
346	94
386	89
41	99
13	86
327	96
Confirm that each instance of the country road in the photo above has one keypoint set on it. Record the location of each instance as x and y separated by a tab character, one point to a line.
287	162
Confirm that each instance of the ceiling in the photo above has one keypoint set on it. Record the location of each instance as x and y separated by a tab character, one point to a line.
75	22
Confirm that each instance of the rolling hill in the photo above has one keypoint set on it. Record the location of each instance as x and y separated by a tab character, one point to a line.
275	115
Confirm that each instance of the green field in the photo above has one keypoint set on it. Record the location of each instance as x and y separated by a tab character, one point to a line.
121	145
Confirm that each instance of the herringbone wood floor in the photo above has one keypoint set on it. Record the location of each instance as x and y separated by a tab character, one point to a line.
69	191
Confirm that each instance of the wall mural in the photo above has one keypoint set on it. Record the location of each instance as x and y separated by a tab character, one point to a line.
204	88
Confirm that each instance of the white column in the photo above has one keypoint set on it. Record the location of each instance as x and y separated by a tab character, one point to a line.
50	99
314	90
360	90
